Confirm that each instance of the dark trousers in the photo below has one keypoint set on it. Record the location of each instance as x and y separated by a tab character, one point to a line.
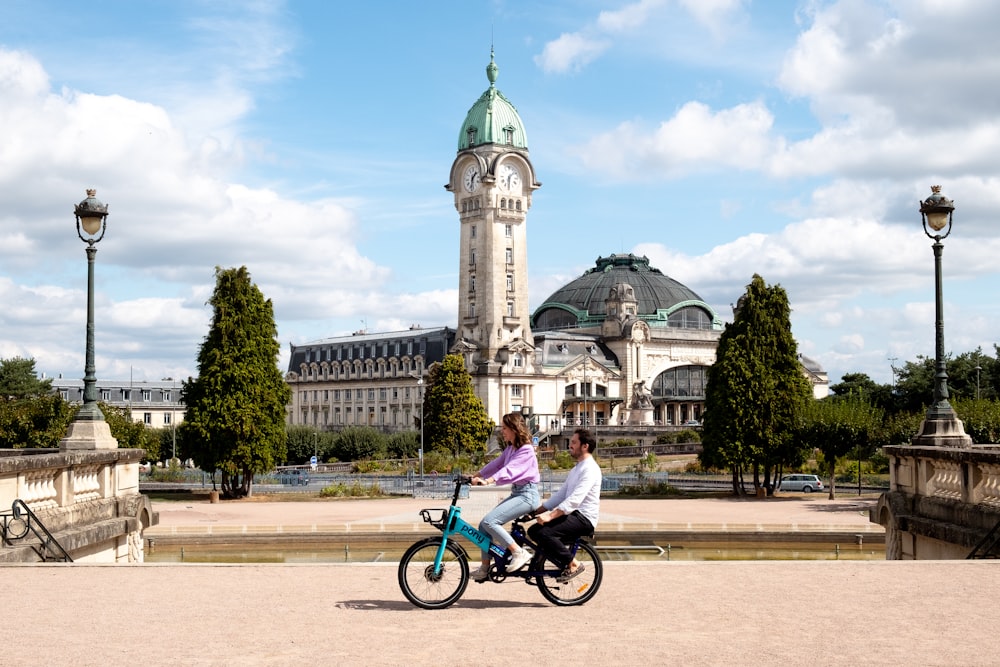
552	537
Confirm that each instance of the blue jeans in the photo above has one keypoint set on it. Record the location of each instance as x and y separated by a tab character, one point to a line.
523	498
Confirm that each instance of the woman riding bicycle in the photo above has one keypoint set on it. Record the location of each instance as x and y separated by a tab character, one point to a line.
517	465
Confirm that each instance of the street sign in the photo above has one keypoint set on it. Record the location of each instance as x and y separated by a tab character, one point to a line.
313	462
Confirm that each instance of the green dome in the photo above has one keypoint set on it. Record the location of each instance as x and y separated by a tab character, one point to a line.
661	300
492	119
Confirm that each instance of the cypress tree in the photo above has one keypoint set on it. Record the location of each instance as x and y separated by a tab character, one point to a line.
235	408
755	389
455	420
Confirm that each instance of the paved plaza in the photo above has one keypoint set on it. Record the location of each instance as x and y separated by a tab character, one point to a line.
680	612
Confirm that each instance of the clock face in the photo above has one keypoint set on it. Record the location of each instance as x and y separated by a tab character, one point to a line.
510	177
471	179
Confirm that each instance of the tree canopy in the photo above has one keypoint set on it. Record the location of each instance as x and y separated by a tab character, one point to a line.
755	389
235	408
18	379
454	417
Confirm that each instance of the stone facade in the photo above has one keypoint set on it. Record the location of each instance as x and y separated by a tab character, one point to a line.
942	502
88	500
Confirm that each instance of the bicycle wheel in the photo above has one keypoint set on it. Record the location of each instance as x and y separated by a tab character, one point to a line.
580	588
421	585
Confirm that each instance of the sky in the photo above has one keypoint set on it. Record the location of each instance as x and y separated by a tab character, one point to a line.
310	142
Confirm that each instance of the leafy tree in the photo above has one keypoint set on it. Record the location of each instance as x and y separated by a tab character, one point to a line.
168	444
403	445
838	425
755	390
129	434
235	408
981	418
859	384
358	443
19	380
36	422
454	417
306	441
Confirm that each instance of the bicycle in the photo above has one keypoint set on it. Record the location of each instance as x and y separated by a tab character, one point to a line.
434	572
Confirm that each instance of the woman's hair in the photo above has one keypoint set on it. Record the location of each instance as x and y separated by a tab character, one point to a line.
515	422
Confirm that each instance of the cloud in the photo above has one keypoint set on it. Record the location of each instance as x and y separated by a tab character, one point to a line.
695	138
573	51
570	52
174	214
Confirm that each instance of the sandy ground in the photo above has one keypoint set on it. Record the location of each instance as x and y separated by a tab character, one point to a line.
683	613
680	612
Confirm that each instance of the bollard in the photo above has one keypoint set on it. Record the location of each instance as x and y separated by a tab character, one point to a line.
213	496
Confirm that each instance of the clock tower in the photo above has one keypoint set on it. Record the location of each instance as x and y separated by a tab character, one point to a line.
492	180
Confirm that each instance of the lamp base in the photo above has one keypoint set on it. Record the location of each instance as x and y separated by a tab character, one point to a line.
942	432
85	434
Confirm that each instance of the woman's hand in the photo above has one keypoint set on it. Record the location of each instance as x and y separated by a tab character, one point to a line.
478	481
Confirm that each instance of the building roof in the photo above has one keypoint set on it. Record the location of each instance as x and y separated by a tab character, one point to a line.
658	296
490	116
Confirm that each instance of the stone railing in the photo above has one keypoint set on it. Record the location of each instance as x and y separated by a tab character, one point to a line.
88	499
942	501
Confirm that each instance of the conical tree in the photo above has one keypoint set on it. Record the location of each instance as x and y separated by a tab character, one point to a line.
755	389
454	417
235	408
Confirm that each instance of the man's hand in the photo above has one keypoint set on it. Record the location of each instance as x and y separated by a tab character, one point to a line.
543	518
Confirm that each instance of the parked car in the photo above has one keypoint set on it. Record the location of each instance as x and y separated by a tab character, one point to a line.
294	477
692	422
804	483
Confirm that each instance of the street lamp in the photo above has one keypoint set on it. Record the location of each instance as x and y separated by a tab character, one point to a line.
978	368
941	426
420	395
88	429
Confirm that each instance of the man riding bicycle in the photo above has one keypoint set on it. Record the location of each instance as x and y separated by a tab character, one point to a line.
573	510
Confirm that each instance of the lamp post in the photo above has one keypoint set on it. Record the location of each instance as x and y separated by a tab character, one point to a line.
88	429
978	368
941	426
420	452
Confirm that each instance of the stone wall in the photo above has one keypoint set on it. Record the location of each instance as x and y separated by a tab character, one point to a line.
942	500
88	499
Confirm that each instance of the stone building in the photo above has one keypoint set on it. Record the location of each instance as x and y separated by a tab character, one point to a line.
622	348
157	404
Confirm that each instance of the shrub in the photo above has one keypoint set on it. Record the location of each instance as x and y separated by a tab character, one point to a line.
353	490
561	461
649	489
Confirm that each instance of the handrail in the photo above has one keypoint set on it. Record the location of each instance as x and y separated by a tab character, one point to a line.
987	545
20	521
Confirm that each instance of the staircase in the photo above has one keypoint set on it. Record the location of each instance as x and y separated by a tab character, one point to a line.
20	527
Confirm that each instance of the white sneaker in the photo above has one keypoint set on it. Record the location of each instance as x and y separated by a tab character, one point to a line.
482	574
519	559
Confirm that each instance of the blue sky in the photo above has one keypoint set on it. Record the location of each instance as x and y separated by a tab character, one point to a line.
310	141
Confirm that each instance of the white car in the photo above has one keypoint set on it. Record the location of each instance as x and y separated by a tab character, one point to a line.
804	483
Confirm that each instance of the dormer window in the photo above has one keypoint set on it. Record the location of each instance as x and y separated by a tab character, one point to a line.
508	135
470	135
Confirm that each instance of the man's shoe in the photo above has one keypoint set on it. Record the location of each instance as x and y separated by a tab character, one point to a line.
568	574
481	575
519	559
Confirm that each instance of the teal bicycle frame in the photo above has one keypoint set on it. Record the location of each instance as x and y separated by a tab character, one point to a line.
453	524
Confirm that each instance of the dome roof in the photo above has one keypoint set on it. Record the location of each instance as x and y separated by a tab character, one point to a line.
492	119
661	300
